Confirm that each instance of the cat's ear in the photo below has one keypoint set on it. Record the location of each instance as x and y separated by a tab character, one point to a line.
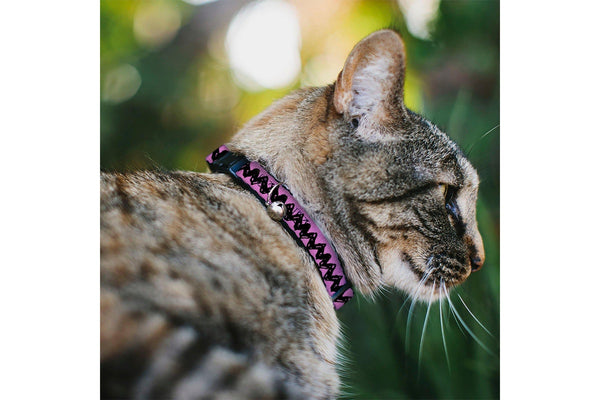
373	76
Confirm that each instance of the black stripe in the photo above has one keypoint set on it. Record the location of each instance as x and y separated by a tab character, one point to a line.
425	223
356	218
126	200
392	227
398	198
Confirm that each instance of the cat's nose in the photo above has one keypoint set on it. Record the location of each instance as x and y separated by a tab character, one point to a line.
475	249
476	262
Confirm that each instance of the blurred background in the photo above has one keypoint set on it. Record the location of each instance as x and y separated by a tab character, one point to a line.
178	78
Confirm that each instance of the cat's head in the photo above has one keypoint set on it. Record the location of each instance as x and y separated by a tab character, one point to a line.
402	188
395	194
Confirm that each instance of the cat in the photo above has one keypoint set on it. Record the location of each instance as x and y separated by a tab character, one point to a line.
204	295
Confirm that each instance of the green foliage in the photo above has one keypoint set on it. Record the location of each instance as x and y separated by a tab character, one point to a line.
188	103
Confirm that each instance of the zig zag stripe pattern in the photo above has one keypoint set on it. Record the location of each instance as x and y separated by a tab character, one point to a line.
299	225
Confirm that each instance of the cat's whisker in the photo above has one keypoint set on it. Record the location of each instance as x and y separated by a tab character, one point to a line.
451	311
385	290
408	320
468	329
474	317
412	304
425	324
456	320
408	297
442	286
480	139
488	132
412	295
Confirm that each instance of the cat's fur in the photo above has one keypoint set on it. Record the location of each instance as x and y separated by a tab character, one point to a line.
204	296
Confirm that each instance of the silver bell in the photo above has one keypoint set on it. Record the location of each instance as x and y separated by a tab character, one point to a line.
276	210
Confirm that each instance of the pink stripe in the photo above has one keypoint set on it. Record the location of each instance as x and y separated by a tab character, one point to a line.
209	158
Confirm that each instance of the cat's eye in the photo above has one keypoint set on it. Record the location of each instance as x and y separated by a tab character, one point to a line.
354	122
451	205
449	196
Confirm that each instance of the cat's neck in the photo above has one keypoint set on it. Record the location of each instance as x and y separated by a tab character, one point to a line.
282	139
291	140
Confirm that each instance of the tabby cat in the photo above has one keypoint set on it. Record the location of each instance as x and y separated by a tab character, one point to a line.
205	296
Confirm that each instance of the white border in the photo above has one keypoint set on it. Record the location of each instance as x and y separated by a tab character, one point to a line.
49	155
549	200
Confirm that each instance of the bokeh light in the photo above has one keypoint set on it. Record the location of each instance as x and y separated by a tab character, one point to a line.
419	15
156	23
120	84
263	45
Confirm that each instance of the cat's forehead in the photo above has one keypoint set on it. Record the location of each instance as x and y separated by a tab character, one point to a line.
454	166
426	155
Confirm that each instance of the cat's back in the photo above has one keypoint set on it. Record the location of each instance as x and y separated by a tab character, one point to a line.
157	223
192	268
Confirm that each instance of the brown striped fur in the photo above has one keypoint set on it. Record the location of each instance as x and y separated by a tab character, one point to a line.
204	296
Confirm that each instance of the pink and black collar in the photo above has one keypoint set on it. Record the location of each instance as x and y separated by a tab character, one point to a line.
251	175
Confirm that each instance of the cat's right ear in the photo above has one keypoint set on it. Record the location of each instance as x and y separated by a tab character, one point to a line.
372	79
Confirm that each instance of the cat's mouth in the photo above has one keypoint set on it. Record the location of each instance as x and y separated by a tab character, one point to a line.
431	289
426	279
438	276
443	268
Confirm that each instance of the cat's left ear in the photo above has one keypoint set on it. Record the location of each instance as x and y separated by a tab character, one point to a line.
373	77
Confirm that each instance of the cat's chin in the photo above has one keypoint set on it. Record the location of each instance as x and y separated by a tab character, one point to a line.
398	273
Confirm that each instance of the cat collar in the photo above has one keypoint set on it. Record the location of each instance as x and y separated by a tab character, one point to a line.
284	208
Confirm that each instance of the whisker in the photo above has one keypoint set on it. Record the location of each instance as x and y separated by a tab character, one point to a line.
480	139
408	321
403	304
408	297
442	327
456	320
467	328
412	295
474	317
451	311
447	315
412	304
488	132
425	325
